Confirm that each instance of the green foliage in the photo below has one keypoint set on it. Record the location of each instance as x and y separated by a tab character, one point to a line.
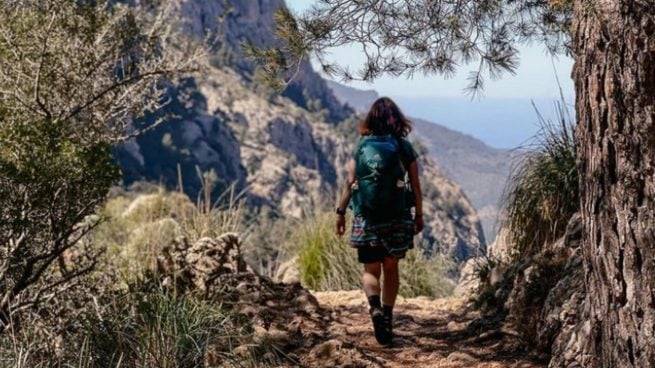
49	186
139	225
542	192
94	66
149	327
326	261
427	37
74	76
277	61
143	326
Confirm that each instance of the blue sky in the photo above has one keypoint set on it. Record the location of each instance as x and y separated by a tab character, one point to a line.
503	117
535	77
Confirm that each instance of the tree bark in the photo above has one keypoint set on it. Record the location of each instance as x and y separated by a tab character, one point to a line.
614	73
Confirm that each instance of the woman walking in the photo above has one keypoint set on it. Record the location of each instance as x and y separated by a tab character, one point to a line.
382	187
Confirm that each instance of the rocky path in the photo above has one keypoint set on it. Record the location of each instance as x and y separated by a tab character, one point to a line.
428	334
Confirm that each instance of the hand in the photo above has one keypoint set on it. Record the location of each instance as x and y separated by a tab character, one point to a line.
418	224
341	225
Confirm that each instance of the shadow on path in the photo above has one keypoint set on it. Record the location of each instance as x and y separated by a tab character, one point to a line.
428	334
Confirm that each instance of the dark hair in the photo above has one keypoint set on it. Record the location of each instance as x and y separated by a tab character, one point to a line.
386	118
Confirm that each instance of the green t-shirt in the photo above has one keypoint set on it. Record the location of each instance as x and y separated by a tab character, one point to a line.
407	152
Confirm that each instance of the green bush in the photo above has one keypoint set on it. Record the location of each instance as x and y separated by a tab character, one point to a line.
50	185
542	193
140	327
138	225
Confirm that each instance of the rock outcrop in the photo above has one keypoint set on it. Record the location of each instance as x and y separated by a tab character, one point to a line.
286	316
238	22
542	297
452	224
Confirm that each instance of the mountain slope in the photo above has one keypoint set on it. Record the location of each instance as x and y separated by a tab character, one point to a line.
479	169
238	22
286	152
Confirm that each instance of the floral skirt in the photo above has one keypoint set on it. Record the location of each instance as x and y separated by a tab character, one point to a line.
395	235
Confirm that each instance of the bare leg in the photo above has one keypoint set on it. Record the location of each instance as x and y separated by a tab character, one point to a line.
371	278
371	281
391	281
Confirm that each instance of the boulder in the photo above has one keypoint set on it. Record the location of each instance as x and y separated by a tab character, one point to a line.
288	272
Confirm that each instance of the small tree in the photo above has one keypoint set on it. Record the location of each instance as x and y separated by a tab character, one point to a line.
74	75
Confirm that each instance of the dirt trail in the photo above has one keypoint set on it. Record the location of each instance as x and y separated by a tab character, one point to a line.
428	334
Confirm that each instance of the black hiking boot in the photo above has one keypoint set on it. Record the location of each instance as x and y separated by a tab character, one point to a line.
387	313
382	333
388	328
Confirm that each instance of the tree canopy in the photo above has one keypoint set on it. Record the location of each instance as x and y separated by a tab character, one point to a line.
404	37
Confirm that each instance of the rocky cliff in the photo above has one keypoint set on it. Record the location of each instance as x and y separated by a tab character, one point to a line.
286	152
237	22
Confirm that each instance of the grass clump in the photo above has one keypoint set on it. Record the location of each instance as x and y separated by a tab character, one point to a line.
327	262
152	327
141	327
425	275
542	192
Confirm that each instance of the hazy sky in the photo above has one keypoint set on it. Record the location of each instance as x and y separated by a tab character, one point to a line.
503	117
535	77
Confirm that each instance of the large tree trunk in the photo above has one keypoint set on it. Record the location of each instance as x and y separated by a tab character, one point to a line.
614	46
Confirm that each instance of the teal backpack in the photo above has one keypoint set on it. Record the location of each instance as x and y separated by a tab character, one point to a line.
379	194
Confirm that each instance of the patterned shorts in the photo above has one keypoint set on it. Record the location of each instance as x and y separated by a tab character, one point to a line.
397	236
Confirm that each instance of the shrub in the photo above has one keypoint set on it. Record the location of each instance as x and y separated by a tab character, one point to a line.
75	75
542	193
49	187
138	225
141	326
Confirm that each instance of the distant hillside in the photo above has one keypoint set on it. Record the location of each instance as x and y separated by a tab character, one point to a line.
479	169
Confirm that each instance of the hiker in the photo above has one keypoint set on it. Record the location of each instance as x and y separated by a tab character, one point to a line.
384	186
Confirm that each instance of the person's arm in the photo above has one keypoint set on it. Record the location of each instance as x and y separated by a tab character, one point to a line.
345	198
418	199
